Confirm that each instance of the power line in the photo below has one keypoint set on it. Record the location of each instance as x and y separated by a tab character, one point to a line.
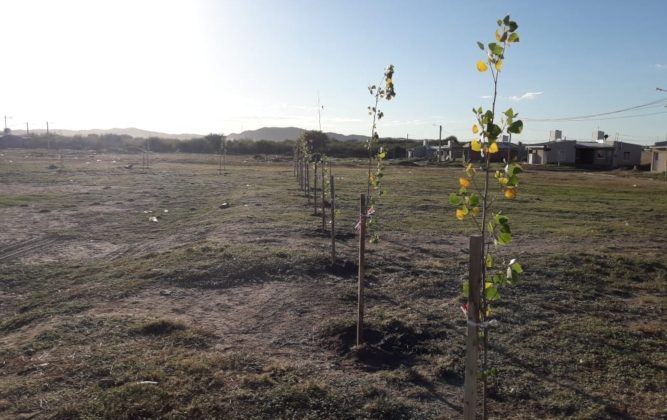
608	118
653	104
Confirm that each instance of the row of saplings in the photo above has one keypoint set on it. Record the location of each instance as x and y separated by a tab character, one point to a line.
475	201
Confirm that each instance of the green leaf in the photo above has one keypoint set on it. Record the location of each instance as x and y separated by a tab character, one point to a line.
497	279
503	238
497	49
490	291
506	20
514	169
505	228
488	261
513	26
513	37
500	22
516	267
493	131
516	127
509	113
454	199
480	45
487	117
474	200
466	288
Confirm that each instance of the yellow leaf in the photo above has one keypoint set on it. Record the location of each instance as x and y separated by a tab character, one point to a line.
499	65
470	171
475	145
510	193
497	35
475	129
460	214
493	148
481	66
503	180
464	182
475	211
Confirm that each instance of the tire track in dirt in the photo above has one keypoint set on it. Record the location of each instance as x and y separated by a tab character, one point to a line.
22	248
153	245
272	317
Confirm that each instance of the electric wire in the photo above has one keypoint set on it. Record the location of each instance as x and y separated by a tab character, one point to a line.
653	104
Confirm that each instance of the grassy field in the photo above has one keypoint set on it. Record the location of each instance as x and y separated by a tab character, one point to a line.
235	311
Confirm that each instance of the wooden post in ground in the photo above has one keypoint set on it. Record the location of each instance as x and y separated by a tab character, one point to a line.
315	188
324	215
307	180
362	261
299	170
333	220
472	339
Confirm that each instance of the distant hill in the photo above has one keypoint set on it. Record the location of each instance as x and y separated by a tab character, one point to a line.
264	133
286	133
131	131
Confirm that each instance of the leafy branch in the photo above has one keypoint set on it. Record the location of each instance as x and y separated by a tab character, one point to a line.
375	190
476	201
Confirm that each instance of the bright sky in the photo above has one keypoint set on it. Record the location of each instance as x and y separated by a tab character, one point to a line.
223	66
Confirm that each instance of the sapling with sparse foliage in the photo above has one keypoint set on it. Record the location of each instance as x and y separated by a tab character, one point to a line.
375	188
477	200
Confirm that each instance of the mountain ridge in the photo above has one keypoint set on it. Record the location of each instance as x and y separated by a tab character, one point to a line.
287	133
263	133
128	131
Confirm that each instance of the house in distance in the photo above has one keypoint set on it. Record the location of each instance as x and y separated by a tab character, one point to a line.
659	157
600	152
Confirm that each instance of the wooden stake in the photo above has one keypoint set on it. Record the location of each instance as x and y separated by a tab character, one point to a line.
333	220
324	215
315	189
307	181
360	285
472	339
300	172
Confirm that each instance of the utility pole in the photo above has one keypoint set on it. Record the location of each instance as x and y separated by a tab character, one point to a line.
27	129
319	111
440	144
48	137
6	129
407	143
439	140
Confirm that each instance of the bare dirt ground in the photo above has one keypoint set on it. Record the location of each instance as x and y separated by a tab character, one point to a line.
226	312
